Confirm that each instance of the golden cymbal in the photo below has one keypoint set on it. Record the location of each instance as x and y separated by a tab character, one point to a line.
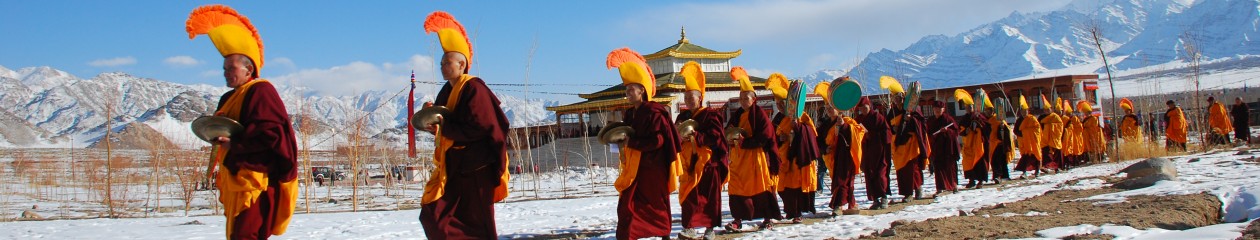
428	116
208	128
687	128
614	133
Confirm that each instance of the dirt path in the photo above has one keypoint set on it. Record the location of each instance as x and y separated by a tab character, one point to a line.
1055	209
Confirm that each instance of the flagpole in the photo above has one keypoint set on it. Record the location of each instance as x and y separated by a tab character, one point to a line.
411	105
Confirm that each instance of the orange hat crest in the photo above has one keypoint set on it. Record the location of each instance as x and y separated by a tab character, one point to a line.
1126	104
738	73
450	33
634	69
231	32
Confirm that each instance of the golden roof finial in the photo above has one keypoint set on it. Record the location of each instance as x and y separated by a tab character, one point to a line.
684	36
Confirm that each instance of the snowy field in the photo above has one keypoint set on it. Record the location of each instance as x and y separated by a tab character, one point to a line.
1231	177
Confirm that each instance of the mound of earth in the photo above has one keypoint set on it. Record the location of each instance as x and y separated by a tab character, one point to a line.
1057	209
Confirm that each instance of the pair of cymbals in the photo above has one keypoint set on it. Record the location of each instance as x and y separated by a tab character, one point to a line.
614	133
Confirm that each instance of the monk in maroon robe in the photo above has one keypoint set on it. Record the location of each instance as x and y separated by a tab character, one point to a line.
703	205
945	153
475	164
758	141
266	146
847	135
643	206
803	150
876	154
909	153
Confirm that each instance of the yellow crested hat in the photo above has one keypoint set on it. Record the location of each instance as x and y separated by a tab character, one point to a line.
778	84
741	76
634	69
988	103
823	89
1066	106
1045	104
1126	104
963	97
693	76
1023	102
231	32
891	84
1084	107
450	33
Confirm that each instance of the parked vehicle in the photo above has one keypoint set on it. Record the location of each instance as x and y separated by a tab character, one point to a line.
327	173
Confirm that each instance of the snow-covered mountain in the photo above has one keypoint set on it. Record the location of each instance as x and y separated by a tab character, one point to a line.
825	75
1135	34
46	107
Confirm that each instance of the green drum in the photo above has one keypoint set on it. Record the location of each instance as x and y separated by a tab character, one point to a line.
845	93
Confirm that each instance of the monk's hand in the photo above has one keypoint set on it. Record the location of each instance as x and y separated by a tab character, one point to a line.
221	141
432	128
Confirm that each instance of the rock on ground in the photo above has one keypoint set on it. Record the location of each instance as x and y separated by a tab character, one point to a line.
1147	172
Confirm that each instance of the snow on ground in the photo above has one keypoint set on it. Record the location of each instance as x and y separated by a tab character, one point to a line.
1223	174
592	208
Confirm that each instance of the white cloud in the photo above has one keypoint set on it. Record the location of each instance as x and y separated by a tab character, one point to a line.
113	62
181	61
281	62
358	77
211	73
761	73
821	60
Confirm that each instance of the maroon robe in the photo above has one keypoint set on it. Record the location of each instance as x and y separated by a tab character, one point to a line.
473	167
999	163
267	145
703	207
945	153
804	151
763	205
910	177
876	154
643	207
1240	115
842	173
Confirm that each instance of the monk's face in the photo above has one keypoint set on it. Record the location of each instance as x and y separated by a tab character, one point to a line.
634	94
1238	101
453	65
692	99
236	70
746	99
940	111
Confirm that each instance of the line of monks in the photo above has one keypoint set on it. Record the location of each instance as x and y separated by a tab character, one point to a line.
761	160
769	163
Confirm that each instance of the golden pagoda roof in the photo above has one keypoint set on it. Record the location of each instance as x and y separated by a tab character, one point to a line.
684	49
604	103
674	81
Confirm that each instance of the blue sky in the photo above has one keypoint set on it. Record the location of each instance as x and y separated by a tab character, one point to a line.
347	47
